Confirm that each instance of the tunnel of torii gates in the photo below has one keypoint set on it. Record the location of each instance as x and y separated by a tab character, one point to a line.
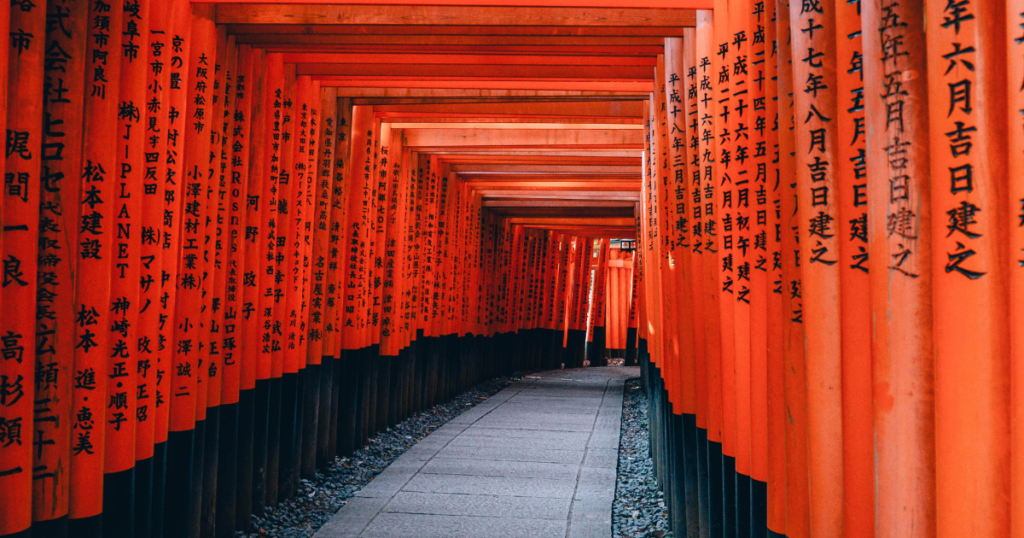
254	235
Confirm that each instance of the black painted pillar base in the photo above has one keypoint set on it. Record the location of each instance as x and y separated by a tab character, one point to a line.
177	504
311	397
274	441
227	471
758	509
260	444
631	347
119	504
143	501
159	490
211	453
52	528
244	460
86	527
383	391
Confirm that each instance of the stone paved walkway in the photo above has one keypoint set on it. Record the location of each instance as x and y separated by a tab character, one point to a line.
536	460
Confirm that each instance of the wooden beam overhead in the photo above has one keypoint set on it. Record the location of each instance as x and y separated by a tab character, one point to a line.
657	4
496	125
639	88
629	109
546	71
565	222
349	14
505	31
546	169
423	58
619	138
397	43
565	203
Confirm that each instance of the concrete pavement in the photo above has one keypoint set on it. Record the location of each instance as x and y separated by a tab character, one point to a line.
536	460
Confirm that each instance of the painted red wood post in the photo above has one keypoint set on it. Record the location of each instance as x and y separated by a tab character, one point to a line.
92	281
284	366
291	216
707	73
395	208
316	350
155	348
852	229
599	311
253	385
757	148
168	88
309	380
899	231
724	200
125	273
270	229
200	168
236	417
559	305
736	216
814	55
21	211
774	313
341	437
355	240
967	101
1015	197
795	387
380	187
58	241
215	273
188	278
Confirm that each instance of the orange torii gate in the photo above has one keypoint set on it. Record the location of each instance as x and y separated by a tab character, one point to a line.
326	242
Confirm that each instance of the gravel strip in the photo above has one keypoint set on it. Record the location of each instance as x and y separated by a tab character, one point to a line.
639	507
318	499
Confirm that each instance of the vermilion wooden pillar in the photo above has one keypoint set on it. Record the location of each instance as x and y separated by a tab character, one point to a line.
1015	145
735	159
92	282
122	415
58	241
252	385
775	313
725	196
852	228
814	64
317	351
173	46
239	369
154	327
757	123
355	240
215	273
900	264
291	215
967	98
710	94
899	230
795	384
341	438
21	220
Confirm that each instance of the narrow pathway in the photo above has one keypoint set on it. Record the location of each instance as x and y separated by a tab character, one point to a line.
536	460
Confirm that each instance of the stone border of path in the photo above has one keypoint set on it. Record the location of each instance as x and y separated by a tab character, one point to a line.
590	513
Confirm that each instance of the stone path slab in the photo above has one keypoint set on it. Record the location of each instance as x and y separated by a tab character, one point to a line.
536	460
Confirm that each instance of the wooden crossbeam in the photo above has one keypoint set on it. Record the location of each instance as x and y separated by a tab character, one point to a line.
546	70
639	88
423	58
619	138
348	14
